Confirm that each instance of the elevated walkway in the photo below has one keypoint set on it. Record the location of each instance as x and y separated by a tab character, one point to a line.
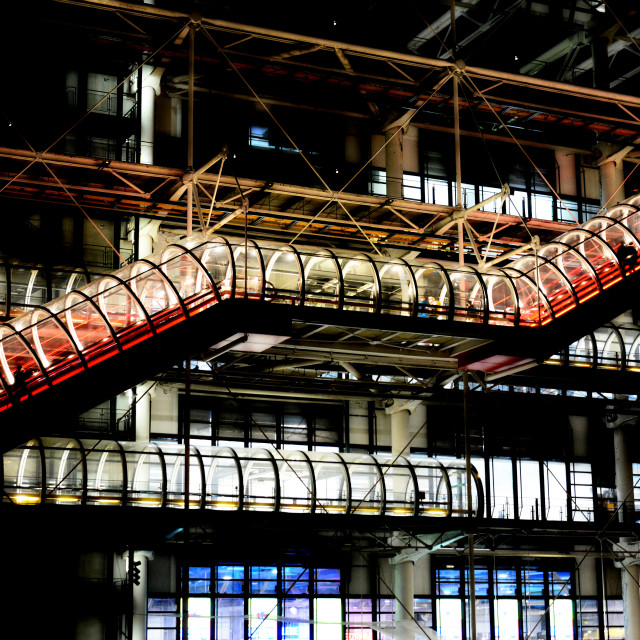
129	474
106	336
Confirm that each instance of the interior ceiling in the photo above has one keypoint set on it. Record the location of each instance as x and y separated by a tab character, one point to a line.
526	77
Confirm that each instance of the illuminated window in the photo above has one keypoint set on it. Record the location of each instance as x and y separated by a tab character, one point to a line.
581	492
506	618
281	602
358	614
162	619
449	618
437	191
199	579
561	619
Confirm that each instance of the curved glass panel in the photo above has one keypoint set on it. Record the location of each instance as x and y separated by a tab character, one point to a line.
283	275
574	266
146	475
599	255
551	281
215	256
322	280
123	311
468	295
610	348
631	337
188	278
53	346
501	295
88	328
628	214
400	487
175	462
332	484
22	472
105	473
434	292
156	295
223	481
434	489
20	369
249	271
28	286
534	308
64	281
360	284
260	481
582	352
64	463
457	473
397	290
296	482
617	237
367	486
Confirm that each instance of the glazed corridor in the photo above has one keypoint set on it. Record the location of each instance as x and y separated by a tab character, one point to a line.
85	472
61	338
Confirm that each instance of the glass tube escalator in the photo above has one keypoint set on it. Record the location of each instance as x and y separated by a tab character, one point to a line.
120	474
56	340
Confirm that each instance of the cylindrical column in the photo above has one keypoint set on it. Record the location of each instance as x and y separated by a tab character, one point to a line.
143	411
631	600
393	161
400	446
624	500
566	178
611	179
148	232
150	89
139	626
403	587
400	433
624	474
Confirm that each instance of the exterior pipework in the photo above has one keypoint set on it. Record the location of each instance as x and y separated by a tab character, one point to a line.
96	472
61	338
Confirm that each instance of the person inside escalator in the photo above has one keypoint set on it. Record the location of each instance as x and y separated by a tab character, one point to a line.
627	256
19	380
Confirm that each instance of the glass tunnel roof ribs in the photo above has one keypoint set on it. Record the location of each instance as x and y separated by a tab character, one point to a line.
141	301
85	472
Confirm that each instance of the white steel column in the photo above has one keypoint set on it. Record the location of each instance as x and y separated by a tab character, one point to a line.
624	501
147	233
403	571
143	411
139	626
393	161
611	177
566	178
611	174
150	89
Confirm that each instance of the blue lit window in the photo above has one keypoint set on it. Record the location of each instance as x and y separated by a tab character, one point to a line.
295	580
264	580
230	579
448	582
199	579
327	581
